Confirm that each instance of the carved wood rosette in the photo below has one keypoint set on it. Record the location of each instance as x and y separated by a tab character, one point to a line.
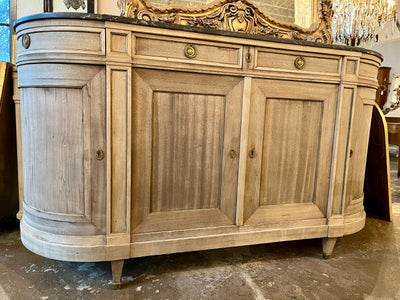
231	15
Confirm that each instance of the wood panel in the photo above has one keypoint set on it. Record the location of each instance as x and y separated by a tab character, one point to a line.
377	191
359	136
178	178
278	59
278	153
169	48
8	146
53	138
368	69
17	102
80	40
118	116
286	152
94	112
342	153
187	151
62	127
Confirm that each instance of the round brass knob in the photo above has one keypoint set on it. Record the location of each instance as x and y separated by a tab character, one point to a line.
190	51
299	62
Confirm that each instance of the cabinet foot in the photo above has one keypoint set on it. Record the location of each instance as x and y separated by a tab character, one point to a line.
116	267
327	247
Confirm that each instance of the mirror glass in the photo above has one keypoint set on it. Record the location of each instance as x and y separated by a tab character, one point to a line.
300	12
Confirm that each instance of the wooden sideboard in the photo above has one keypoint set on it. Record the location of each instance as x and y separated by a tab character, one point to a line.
143	138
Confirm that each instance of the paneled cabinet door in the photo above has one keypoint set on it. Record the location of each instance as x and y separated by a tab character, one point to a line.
65	184
185	149
359	137
291	133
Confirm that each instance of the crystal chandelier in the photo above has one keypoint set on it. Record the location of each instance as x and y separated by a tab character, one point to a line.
356	21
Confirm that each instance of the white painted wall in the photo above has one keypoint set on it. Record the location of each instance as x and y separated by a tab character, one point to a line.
108	7
29	7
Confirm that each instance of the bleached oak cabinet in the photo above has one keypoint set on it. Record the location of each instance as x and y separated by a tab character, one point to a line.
142	138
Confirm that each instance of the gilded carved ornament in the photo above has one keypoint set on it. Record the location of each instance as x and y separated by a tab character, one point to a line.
231	15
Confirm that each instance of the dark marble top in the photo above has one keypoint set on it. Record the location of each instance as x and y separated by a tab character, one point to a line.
119	19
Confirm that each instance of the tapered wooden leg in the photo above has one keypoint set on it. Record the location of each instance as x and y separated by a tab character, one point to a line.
116	267
327	247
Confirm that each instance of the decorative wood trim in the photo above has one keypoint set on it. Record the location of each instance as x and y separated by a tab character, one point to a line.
230	15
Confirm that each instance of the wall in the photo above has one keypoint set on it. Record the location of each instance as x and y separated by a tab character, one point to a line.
29	7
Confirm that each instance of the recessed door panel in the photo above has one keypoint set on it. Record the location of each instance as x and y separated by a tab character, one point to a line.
63	127
188	132
292	135
185	150
290	144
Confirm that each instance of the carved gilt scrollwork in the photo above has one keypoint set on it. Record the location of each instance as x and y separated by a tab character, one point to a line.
233	15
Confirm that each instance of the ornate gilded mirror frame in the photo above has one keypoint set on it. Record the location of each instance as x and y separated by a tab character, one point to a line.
231	15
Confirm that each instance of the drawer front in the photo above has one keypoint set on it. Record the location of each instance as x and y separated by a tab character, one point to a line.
67	40
368	69
296	61
188	51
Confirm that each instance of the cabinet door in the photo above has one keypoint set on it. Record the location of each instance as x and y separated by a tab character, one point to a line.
63	126
291	133
358	144
185	149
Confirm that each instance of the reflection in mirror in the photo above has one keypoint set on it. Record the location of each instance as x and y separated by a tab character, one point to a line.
300	12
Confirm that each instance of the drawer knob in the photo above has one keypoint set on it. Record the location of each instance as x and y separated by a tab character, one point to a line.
25	41
99	154
299	62
190	51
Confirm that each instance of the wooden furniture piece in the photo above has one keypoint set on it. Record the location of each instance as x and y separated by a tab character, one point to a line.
383	86
377	192
143	138
8	152
393	124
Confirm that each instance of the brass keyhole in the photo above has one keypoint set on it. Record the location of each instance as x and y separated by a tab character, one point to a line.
351	152
252	153
233	153
248	57
99	154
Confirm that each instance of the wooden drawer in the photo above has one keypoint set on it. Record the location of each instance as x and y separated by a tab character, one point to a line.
267	59
170	49
368	69
67	40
